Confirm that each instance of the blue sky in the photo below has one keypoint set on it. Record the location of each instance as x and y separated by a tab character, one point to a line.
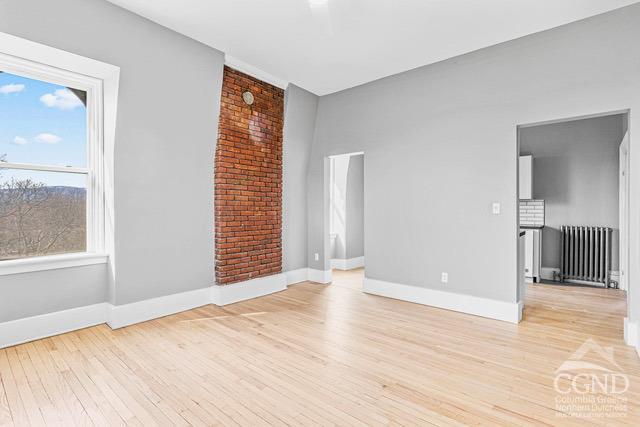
41	123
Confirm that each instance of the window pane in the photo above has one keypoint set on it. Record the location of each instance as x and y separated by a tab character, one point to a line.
42	122
41	213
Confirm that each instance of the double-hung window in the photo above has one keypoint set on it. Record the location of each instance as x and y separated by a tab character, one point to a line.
51	163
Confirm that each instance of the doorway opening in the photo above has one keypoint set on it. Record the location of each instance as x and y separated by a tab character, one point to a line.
573	209
346	218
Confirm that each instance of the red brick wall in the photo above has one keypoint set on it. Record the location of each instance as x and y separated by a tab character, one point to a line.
248	180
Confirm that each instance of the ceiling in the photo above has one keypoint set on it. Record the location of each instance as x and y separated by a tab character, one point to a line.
329	45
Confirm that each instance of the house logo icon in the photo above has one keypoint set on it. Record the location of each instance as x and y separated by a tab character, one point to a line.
590	383
575	363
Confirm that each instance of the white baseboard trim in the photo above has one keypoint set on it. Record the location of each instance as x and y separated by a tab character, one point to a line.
319	276
45	325
117	316
520	311
614	275
631	334
297	276
493	309
347	264
129	314
236	292
141	311
310	275
546	273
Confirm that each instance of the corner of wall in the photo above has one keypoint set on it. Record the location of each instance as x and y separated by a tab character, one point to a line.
299	130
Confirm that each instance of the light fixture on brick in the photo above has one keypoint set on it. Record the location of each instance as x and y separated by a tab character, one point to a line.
247	97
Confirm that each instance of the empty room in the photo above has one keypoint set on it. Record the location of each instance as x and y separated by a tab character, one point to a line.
319	212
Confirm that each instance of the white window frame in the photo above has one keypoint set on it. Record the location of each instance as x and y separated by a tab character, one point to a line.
100	82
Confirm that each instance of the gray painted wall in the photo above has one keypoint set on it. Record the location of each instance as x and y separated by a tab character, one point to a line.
355	208
299	125
31	294
575	170
440	142
165	142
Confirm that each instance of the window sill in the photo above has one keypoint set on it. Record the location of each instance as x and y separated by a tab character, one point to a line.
52	262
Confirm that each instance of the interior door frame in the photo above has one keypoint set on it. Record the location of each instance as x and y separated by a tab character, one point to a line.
328	209
624	263
623	211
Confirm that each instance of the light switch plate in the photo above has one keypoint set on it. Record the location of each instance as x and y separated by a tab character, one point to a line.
316	256
495	208
445	277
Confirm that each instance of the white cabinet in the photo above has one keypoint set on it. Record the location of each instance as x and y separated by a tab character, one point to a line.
526	177
532	255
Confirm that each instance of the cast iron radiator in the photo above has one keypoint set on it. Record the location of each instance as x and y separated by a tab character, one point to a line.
585	254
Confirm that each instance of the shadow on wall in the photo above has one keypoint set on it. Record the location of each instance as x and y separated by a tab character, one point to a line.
558	188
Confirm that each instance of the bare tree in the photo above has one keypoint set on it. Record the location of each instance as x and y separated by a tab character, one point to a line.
36	219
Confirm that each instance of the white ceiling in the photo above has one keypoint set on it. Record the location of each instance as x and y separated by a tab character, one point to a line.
328	45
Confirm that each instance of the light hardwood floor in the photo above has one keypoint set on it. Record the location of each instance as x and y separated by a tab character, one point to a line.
317	354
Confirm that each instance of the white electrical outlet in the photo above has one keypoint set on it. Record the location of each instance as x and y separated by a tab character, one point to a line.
495	207
445	277
316	256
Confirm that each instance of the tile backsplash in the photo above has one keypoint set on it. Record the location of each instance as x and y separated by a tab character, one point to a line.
532	212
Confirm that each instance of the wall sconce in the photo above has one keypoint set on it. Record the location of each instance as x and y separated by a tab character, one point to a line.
247	97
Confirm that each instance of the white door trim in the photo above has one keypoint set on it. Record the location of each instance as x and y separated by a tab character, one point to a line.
623	212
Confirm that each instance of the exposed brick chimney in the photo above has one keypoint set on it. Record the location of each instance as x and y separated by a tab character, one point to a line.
248	180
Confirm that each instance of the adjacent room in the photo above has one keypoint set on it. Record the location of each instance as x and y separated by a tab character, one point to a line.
347	211
571	186
346	219
319	212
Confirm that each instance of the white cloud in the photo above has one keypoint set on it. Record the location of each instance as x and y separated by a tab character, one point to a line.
48	138
18	140
11	88
63	99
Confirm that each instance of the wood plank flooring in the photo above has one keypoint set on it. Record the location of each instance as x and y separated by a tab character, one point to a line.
318	355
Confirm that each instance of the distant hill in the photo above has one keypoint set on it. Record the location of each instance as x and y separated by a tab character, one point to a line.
60	190
56	190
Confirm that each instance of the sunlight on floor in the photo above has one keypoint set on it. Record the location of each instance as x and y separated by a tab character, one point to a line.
351	279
